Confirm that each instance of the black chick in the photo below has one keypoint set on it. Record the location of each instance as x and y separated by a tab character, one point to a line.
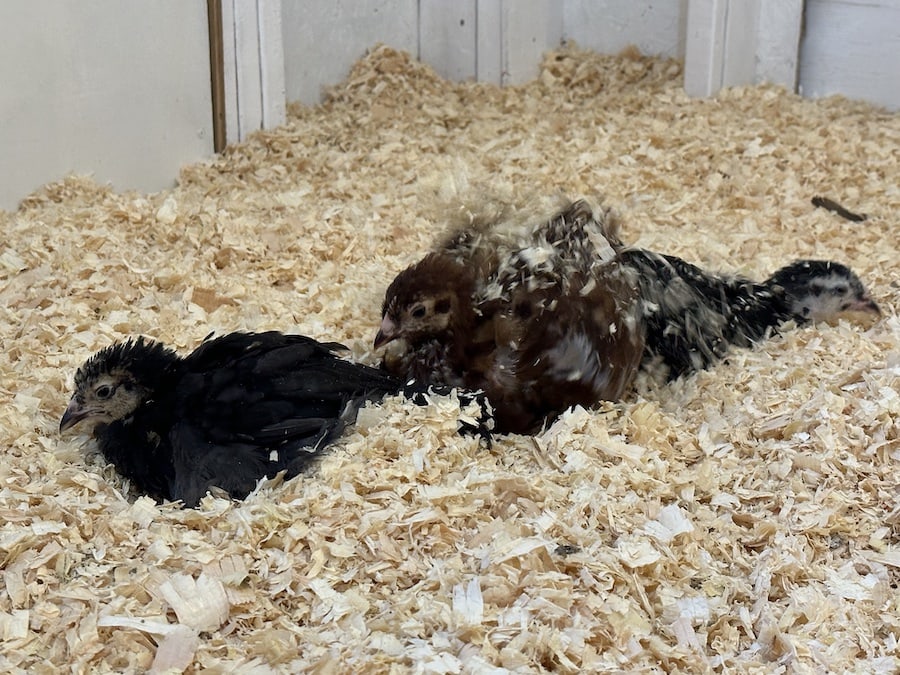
540	320
238	408
692	317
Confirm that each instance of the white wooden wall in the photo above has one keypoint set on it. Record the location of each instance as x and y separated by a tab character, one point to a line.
848	46
117	90
609	26
497	41
122	90
852	48
322	39
733	42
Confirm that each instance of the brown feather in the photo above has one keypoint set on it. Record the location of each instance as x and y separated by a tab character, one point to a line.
540	318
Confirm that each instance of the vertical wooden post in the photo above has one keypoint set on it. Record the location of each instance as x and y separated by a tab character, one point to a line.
253	66
216	72
704	52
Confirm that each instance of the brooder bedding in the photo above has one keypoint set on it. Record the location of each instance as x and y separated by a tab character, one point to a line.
745	518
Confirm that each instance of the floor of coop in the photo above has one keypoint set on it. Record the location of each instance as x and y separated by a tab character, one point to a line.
741	518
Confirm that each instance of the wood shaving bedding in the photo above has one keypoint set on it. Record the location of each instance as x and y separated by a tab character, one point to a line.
745	518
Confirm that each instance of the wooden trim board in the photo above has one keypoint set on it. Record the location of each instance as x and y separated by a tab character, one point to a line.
253	66
734	42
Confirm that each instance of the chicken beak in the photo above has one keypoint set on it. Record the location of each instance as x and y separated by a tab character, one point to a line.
863	311
869	306
73	415
386	333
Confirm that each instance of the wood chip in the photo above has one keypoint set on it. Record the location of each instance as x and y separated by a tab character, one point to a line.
743	519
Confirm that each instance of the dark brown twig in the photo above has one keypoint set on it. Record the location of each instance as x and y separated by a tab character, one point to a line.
831	205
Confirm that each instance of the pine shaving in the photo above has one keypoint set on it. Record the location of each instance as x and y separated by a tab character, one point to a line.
742	519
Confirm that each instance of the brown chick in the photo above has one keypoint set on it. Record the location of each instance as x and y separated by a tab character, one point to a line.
540	323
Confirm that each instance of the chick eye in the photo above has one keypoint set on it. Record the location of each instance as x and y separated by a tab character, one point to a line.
103	391
839	291
418	312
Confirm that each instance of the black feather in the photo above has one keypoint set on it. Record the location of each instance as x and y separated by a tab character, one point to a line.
692	316
239	408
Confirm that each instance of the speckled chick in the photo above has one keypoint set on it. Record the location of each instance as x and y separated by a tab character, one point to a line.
540	321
